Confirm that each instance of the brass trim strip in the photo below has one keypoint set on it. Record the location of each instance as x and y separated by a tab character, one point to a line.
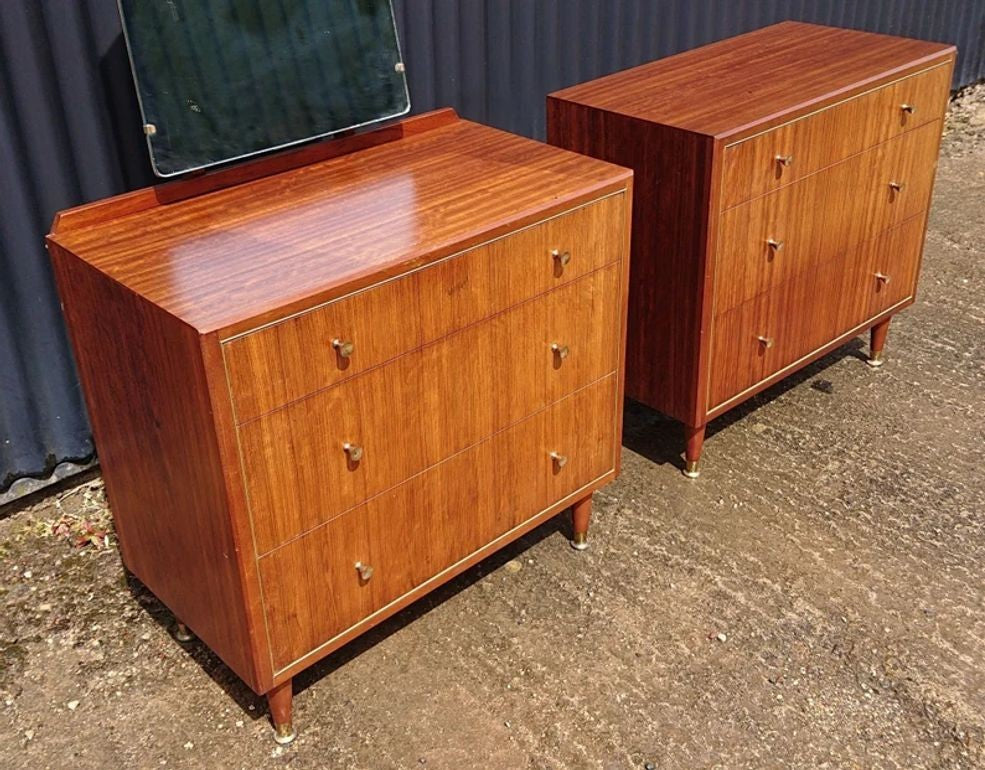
422	267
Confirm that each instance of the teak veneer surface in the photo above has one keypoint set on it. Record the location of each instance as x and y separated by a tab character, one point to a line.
230	259
459	262
730	87
782	183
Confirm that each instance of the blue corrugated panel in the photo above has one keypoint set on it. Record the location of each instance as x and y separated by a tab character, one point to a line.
70	130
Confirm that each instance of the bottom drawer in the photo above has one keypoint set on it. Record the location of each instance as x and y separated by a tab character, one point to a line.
880	274
773	330
314	591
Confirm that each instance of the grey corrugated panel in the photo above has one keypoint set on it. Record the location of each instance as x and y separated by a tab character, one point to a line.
70	131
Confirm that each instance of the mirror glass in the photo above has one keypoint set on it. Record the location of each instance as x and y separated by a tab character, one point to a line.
220	80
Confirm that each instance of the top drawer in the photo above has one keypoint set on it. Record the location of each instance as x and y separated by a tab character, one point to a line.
770	160
288	360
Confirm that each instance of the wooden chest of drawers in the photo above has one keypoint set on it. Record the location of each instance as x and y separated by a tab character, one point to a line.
322	386
783	179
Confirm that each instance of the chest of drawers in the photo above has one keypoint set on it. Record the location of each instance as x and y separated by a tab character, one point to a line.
782	184
323	384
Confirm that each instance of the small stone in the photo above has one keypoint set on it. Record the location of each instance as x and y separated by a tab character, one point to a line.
29	734
72	705
239	723
721	637
145	636
824	386
513	566
649	766
28	574
44	607
189	745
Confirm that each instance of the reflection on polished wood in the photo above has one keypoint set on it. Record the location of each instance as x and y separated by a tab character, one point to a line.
783	179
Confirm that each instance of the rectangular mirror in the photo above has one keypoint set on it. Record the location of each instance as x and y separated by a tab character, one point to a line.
220	80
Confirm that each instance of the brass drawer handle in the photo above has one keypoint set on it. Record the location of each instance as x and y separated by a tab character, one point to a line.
345	348
909	109
561	352
365	571
767	342
560	460
561	259
784	160
775	244
354	451
897	186
883	278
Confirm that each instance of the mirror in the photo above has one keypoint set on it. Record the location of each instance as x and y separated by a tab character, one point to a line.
221	80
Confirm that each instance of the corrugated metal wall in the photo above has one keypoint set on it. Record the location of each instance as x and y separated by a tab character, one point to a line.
69	131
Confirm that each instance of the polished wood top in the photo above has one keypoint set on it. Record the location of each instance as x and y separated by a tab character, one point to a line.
750	81
229	259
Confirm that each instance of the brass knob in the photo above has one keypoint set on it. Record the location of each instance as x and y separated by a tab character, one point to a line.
766	341
883	278
909	109
775	244
560	460
344	347
897	186
365	571
561	351
784	160
354	451
562	258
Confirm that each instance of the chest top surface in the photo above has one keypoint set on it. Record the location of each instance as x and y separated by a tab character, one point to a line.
728	87
222	259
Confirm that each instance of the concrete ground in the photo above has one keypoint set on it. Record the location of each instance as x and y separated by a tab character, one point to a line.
815	599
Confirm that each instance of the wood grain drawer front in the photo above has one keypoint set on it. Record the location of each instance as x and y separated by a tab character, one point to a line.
769	240
282	363
752	166
879	274
423	407
313	590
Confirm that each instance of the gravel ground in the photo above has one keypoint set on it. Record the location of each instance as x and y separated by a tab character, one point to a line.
814	600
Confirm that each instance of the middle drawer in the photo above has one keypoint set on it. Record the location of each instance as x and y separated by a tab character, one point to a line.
309	461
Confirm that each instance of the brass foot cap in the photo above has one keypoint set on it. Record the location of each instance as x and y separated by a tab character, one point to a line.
874	360
182	634
691	469
580	541
284	734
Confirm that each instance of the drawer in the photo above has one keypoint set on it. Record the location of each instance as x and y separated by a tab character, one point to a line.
769	240
286	361
880	273
764	334
425	406
312	588
815	141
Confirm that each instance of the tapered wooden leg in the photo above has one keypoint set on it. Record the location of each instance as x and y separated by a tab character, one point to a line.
181	632
878	342
279	700
695	441
581	512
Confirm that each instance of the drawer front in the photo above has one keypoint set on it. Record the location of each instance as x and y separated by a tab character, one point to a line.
763	335
879	274
771	239
425	406
831	135
777	328
312	588
282	363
